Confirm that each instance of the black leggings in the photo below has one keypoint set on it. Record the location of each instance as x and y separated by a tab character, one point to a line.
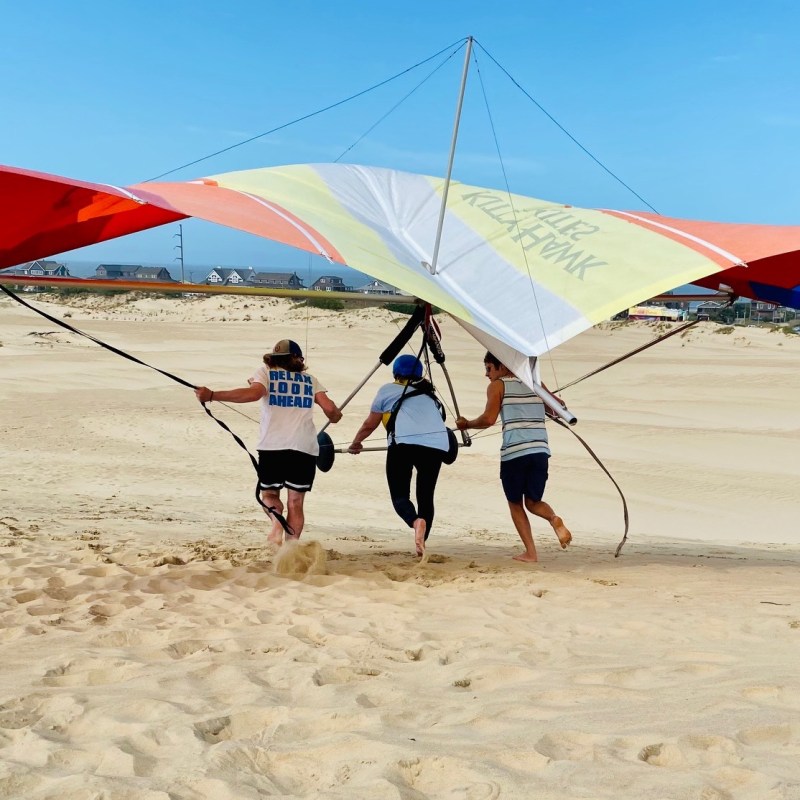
400	460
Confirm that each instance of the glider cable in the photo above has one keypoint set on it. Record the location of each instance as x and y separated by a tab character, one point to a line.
458	45
395	107
516	220
269	509
680	329
564	130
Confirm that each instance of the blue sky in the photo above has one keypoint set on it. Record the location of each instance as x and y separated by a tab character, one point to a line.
695	105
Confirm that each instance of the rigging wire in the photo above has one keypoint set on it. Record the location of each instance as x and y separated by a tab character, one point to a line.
458	45
394	107
271	510
680	329
516	218
565	131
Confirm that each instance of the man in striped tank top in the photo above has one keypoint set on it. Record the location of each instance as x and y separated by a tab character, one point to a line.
524	453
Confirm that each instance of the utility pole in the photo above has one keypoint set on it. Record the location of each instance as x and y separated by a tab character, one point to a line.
179	248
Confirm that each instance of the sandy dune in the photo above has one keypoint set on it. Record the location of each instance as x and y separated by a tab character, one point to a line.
153	648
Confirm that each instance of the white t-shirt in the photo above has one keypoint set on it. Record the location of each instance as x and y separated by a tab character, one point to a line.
418	420
287	410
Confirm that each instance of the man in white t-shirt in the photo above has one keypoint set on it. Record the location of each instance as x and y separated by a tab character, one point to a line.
417	439
287	447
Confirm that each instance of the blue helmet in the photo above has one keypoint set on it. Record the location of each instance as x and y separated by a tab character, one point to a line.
407	367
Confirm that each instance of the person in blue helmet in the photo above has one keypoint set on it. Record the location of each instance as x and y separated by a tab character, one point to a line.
417	439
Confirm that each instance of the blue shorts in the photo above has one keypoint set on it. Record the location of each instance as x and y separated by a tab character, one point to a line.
524	476
289	468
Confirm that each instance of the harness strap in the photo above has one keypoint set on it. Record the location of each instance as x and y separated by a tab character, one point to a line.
610	476
427	391
271	510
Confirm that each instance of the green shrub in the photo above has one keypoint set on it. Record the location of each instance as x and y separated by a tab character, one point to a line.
66	291
328	303
725	329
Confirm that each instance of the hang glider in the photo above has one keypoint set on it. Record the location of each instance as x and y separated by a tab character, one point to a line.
522	275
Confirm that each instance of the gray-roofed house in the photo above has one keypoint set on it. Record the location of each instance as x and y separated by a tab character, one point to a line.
116	272
376	287
708	310
230	276
278	280
132	272
154	274
40	269
330	283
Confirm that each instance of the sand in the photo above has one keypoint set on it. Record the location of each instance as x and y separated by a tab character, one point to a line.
154	645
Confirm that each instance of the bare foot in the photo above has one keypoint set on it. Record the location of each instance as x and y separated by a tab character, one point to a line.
564	536
419	535
526	557
276	536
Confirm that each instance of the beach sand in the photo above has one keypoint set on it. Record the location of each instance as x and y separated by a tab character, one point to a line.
154	646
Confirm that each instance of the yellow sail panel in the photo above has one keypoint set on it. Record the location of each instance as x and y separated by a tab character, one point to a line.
362	244
597	262
527	272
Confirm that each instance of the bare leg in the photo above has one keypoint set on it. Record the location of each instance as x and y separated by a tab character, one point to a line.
543	510
523	526
295	518
419	535
272	499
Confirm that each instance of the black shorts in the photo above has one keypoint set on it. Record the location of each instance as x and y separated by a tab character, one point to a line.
289	468
524	476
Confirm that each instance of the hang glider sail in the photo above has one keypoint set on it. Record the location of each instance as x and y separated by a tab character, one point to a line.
522	275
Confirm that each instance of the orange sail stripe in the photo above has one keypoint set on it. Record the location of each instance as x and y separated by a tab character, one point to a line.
238	210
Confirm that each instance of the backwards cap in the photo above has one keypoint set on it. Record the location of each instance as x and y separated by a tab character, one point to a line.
286	347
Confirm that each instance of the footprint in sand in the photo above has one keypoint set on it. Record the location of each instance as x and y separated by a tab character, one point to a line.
568	746
91	672
187	647
307	636
442	776
692	751
15	715
767	735
243	725
772	696
102	611
129	638
342	675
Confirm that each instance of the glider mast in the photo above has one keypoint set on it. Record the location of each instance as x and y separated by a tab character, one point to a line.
432	266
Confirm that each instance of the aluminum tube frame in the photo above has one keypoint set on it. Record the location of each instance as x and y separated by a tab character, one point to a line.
552	402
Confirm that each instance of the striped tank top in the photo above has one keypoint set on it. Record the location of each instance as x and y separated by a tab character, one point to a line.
522	414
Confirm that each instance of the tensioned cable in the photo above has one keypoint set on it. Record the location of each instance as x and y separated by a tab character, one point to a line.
564	130
395	107
622	358
458	45
516	219
539	313
117	351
